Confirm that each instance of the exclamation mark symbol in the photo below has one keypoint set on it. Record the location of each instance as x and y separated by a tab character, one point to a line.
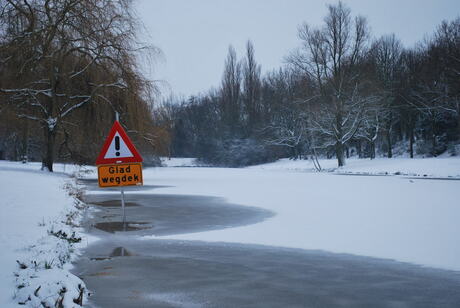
117	145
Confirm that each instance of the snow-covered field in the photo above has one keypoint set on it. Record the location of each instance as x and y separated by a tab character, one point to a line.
35	203
396	217
403	216
442	167
425	167
178	162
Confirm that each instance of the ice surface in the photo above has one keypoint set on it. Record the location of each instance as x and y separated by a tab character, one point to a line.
413	220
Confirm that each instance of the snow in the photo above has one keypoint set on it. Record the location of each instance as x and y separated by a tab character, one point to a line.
178	162
51	123
34	203
408	217
431	167
397	217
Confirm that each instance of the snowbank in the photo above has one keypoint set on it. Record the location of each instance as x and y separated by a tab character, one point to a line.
178	162
426	167
39	236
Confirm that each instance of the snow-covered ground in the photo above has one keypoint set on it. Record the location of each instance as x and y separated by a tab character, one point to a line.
35	203
429	167
178	162
396	217
423	167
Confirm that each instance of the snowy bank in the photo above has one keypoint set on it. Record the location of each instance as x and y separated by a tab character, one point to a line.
178	162
40	236
425	167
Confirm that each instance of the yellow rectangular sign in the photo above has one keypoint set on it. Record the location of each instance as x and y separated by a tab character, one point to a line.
119	175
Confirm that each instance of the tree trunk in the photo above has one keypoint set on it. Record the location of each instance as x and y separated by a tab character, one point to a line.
293	153
390	149
50	139
372	145
458	125
25	142
433	138
411	142
399	133
358	149
339	146
339	153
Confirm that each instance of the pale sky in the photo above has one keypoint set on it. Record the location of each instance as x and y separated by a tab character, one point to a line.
194	35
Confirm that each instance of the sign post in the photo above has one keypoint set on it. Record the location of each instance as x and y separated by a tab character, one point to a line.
119	163
123	207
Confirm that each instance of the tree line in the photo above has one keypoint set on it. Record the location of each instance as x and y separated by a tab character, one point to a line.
66	67
342	93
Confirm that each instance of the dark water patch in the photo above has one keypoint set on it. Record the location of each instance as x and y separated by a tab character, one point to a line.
114	226
121	252
116	252
114	203
108	216
237	275
84	181
100	274
172	214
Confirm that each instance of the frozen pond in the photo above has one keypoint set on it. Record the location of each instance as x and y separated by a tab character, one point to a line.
125	271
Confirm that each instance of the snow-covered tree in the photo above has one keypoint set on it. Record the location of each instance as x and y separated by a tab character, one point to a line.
331	55
386	55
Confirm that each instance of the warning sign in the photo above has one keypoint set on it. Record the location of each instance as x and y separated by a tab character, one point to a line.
118	148
120	175
119	163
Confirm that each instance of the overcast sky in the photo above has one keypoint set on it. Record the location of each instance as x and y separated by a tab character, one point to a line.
194	35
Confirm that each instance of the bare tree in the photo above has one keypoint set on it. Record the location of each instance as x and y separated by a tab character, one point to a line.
63	55
286	121
288	129
251	88
331	56
444	49
428	100
370	128
386	54
231	90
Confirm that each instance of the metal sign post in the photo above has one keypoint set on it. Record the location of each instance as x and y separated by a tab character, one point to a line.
123	207
117	118
119	163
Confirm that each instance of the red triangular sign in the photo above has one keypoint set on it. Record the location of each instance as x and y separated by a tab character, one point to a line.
118	148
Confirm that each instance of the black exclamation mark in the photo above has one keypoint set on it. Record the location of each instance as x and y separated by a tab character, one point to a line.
117	145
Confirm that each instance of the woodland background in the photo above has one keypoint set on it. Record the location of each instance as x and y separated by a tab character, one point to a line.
342	93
